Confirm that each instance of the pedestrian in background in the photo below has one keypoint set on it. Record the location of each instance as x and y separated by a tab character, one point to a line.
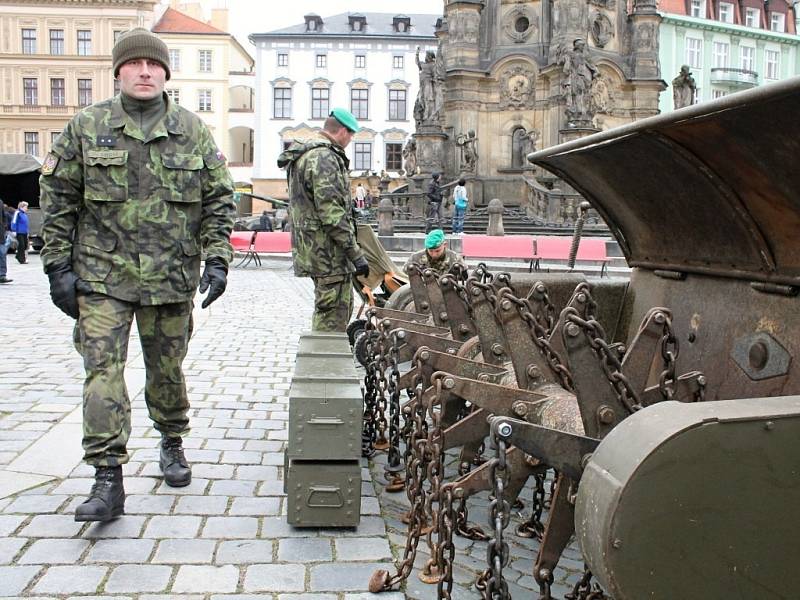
20	226
361	196
264	224
5	242
134	191
434	204
460	206
324	245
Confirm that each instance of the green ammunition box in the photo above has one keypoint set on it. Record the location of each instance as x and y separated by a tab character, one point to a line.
325	421
323	493
324	343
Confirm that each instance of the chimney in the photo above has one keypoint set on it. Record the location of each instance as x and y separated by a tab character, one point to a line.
219	18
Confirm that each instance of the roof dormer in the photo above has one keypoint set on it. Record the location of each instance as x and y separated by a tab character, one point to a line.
401	23
313	22
358	22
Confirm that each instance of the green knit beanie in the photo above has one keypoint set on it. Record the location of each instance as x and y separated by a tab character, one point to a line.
139	43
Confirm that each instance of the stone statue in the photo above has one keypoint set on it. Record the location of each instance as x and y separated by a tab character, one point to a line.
683	88
425	105
531	137
469	150
579	72
410	157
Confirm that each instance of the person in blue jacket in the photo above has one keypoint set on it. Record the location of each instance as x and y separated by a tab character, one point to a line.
19	225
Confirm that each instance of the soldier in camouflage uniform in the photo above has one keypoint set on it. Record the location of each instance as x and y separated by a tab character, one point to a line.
436	256
132	193
324	243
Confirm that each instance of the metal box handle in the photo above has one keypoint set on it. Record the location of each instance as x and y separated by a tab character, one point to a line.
325	421
329	496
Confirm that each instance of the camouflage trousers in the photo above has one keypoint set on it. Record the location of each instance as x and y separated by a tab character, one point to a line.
333	303
101	336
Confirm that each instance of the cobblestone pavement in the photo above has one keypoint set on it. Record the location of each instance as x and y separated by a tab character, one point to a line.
225	535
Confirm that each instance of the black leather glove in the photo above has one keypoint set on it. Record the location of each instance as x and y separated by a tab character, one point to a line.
214	279
362	266
62	288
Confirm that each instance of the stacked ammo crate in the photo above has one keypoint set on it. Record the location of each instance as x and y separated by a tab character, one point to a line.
322	476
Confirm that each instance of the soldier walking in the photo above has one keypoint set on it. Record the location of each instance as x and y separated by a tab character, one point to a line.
324	243
132	193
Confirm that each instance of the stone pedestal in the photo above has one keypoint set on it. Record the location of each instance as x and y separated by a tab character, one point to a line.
385	214
495	210
573	133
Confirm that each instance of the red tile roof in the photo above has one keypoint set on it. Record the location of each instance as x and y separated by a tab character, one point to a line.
173	21
676	7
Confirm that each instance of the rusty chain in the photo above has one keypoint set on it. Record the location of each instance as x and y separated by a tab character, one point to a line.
585	590
497	552
393	462
533	527
540	337
383	386
609	359
370	395
669	354
445	549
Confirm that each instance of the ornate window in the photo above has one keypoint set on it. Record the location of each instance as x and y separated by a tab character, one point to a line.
204	61
398	61
362	153
204	101
57	96
320	102
282	103
84	42
30	91
57	42
174	60
84	92
359	103
29	41
32	143
397	105
394	156
322	61
283	59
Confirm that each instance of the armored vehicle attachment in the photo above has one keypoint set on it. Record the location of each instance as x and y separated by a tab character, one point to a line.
664	406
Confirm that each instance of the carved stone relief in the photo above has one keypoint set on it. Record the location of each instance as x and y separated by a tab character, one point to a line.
517	87
569	17
646	37
520	24
601	28
464	27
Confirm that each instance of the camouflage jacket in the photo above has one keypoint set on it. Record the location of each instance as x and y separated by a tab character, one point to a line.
132	213
320	209
441	266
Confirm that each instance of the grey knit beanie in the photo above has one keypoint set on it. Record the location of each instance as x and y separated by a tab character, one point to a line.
139	43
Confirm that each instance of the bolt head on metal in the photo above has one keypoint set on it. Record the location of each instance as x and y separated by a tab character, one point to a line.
659	318
497	349
401	334
606	415
769	425
476	292
505	305
701	379
581	298
443	316
532	371
483	377
504	429
449	383
519	408
424	355
617	543
573	330
463	328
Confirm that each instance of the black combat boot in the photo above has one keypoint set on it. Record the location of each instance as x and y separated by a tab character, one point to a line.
177	472
107	499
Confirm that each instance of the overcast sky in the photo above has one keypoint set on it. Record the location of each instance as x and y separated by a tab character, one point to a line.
258	16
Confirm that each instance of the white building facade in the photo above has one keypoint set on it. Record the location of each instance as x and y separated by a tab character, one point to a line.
362	62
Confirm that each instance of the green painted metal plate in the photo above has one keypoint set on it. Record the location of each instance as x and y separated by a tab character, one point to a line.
323	493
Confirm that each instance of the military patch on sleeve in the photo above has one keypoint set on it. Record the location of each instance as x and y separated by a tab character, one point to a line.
50	164
221	156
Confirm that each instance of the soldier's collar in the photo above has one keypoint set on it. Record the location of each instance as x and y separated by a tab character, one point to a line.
172	119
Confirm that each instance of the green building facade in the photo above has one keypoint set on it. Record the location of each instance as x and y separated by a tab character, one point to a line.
725	57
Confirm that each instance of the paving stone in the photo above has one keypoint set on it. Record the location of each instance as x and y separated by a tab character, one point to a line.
233	488
125	527
138	578
202	505
70	580
120	551
35	504
172	526
277	527
206	579
367	526
230	527
196	488
255	506
209	471
184	552
275	578
240	552
305	550
241	457
15	579
52	526
362	549
271	488
258	473
381	596
9	547
150	505
54	552
9	523
344	576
